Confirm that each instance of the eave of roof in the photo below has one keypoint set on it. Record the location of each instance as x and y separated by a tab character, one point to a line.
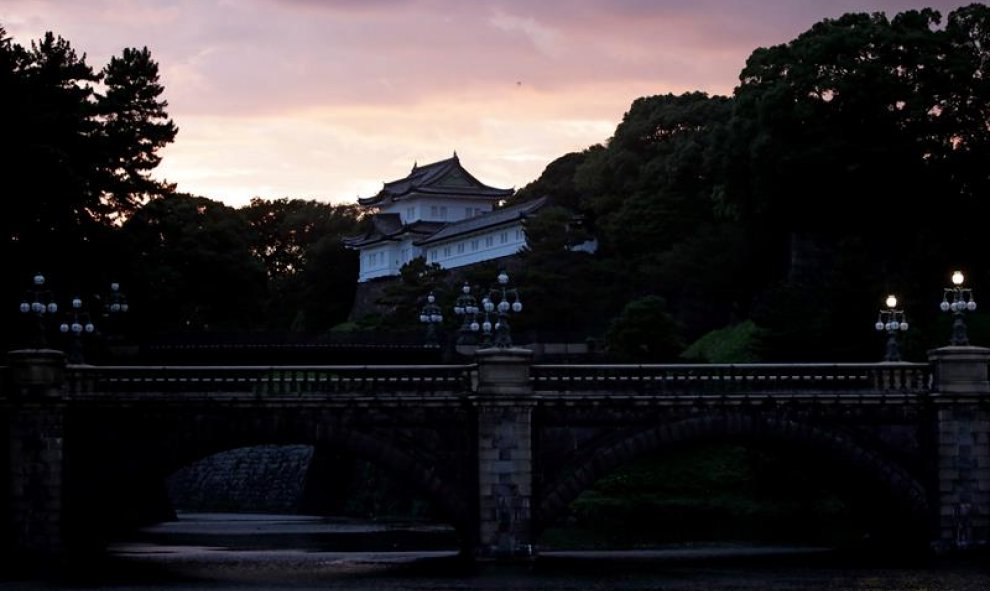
384	231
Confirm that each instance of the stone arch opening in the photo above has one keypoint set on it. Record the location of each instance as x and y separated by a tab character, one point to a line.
115	477
897	499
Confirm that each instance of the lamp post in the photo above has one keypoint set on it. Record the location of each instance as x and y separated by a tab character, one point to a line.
116	301
501	299
466	307
958	300
38	301
431	316
79	324
114	307
892	321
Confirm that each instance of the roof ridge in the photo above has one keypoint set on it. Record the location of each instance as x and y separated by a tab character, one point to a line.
424	177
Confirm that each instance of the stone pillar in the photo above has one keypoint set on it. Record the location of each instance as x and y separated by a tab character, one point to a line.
35	431
961	398
504	408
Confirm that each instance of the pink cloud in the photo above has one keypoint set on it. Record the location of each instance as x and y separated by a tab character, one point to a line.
327	97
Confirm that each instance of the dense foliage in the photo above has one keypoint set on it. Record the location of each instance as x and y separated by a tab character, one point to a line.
79	146
82	206
849	163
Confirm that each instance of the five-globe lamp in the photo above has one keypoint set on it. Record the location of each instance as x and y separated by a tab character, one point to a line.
958	300
38	301
431	316
892	321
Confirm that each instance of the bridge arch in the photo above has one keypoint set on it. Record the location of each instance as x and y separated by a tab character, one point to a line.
397	460
884	476
158	444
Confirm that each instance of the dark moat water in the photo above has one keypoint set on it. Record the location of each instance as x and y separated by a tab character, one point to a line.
251	552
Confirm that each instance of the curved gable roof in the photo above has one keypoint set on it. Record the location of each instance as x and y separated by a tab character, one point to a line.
443	178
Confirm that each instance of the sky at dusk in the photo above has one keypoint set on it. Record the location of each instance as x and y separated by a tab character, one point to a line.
328	99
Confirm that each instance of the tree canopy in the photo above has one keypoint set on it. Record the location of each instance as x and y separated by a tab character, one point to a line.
79	147
849	162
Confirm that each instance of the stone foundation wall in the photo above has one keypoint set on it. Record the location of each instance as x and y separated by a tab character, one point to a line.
263	479
366	296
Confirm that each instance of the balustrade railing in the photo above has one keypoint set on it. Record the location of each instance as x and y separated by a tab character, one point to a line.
269	381
904	379
698	379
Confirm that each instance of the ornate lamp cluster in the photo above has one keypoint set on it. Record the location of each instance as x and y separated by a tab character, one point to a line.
431	316
892	321
501	299
39	301
116	301
79	323
958	300
487	322
76	322
467	309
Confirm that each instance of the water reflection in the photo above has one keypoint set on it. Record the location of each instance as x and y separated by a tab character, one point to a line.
247	532
223	552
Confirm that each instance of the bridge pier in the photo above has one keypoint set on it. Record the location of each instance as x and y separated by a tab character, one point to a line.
35	431
504	410
961	398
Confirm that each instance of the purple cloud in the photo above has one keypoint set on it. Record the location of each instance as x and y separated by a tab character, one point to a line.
320	97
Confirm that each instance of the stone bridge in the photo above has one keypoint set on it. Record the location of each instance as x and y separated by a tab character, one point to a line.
500	446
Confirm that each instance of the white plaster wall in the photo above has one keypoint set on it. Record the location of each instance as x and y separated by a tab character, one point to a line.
385	260
378	262
476	248
435	209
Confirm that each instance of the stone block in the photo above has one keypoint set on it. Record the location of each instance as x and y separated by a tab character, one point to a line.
504	371
961	370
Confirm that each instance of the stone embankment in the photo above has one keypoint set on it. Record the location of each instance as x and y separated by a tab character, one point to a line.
262	479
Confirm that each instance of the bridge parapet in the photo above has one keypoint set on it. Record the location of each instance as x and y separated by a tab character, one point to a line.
694	380
263	381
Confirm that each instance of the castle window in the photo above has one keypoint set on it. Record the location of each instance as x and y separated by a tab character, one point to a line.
460	248
489	241
474	245
503	237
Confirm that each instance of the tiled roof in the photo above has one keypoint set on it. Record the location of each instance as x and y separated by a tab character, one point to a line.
386	223
495	218
388	226
428	179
